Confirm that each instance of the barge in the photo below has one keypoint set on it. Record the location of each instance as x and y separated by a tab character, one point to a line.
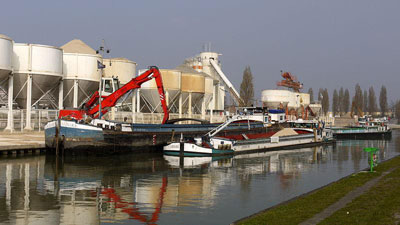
107	135
212	145
366	128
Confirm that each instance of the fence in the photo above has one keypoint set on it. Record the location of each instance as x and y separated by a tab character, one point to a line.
40	117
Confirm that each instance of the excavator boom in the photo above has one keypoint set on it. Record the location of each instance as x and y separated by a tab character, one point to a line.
91	109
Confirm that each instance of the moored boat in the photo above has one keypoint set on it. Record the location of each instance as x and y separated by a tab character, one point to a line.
211	144
366	128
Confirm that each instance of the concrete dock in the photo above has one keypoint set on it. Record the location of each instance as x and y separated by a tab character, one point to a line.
21	142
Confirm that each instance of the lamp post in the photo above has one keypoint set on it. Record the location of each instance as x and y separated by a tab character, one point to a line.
101	66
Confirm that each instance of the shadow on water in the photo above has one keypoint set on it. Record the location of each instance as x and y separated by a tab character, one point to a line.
157	189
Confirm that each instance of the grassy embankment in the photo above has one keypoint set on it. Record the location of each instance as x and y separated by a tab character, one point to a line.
379	205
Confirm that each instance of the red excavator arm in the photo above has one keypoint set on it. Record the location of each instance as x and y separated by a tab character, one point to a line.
92	109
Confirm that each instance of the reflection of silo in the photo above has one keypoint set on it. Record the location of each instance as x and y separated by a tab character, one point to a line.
6	49
81	76
37	68
172	85
79	211
192	91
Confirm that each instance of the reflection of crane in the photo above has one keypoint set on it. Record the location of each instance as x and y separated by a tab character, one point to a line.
131	208
290	81
91	109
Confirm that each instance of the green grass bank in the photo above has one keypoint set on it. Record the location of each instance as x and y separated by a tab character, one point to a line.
379	205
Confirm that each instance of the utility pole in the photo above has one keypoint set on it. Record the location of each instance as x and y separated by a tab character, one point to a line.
101	66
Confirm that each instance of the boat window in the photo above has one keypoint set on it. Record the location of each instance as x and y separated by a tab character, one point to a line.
108	86
116	84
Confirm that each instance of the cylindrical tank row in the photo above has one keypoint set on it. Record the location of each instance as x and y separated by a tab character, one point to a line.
39	67
81	77
6	51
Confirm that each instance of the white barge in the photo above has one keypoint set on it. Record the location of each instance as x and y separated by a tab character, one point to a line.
311	133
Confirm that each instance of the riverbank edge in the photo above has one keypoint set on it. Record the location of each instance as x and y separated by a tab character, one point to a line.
279	208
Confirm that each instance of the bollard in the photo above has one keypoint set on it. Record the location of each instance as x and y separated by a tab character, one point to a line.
373	157
181	151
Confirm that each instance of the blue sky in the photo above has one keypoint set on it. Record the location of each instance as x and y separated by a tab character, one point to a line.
324	43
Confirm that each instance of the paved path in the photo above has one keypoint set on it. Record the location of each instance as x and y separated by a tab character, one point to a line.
345	200
21	141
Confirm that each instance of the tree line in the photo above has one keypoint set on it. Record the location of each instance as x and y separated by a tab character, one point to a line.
363	102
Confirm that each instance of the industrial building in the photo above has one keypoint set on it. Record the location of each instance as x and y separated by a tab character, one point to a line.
38	80
294	102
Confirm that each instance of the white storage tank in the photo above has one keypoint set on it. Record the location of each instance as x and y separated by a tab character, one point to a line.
208	89
81	76
192	91
172	86
276	98
6	52
304	99
122	68
206	65
44	63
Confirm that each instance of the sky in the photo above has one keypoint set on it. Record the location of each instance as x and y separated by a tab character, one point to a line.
326	44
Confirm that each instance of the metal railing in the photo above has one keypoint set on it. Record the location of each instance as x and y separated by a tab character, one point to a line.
40	117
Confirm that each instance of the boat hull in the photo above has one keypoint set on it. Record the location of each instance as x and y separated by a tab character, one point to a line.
247	146
362	133
113	136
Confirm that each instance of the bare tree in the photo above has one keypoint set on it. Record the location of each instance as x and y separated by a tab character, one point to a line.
341	101
325	101
371	101
320	94
383	100
335	102
397	111
358	99
365	101
346	101
247	87
311	92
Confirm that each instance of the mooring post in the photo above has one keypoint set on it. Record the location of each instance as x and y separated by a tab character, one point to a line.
57	137
315	134
181	149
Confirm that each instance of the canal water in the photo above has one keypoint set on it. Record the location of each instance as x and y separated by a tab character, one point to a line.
154	189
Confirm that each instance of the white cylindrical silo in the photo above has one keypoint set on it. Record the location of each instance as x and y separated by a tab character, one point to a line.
304	99
81	77
172	86
192	92
122	68
276	98
6	52
206	65
36	67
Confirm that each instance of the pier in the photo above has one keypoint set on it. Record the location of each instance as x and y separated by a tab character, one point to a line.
21	143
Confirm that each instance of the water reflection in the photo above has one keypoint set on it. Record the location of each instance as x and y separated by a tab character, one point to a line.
157	189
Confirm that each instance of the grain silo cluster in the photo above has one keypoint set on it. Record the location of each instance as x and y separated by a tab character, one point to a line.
38	80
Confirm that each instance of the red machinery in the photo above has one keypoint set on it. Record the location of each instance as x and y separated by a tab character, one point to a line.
91	109
290	81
